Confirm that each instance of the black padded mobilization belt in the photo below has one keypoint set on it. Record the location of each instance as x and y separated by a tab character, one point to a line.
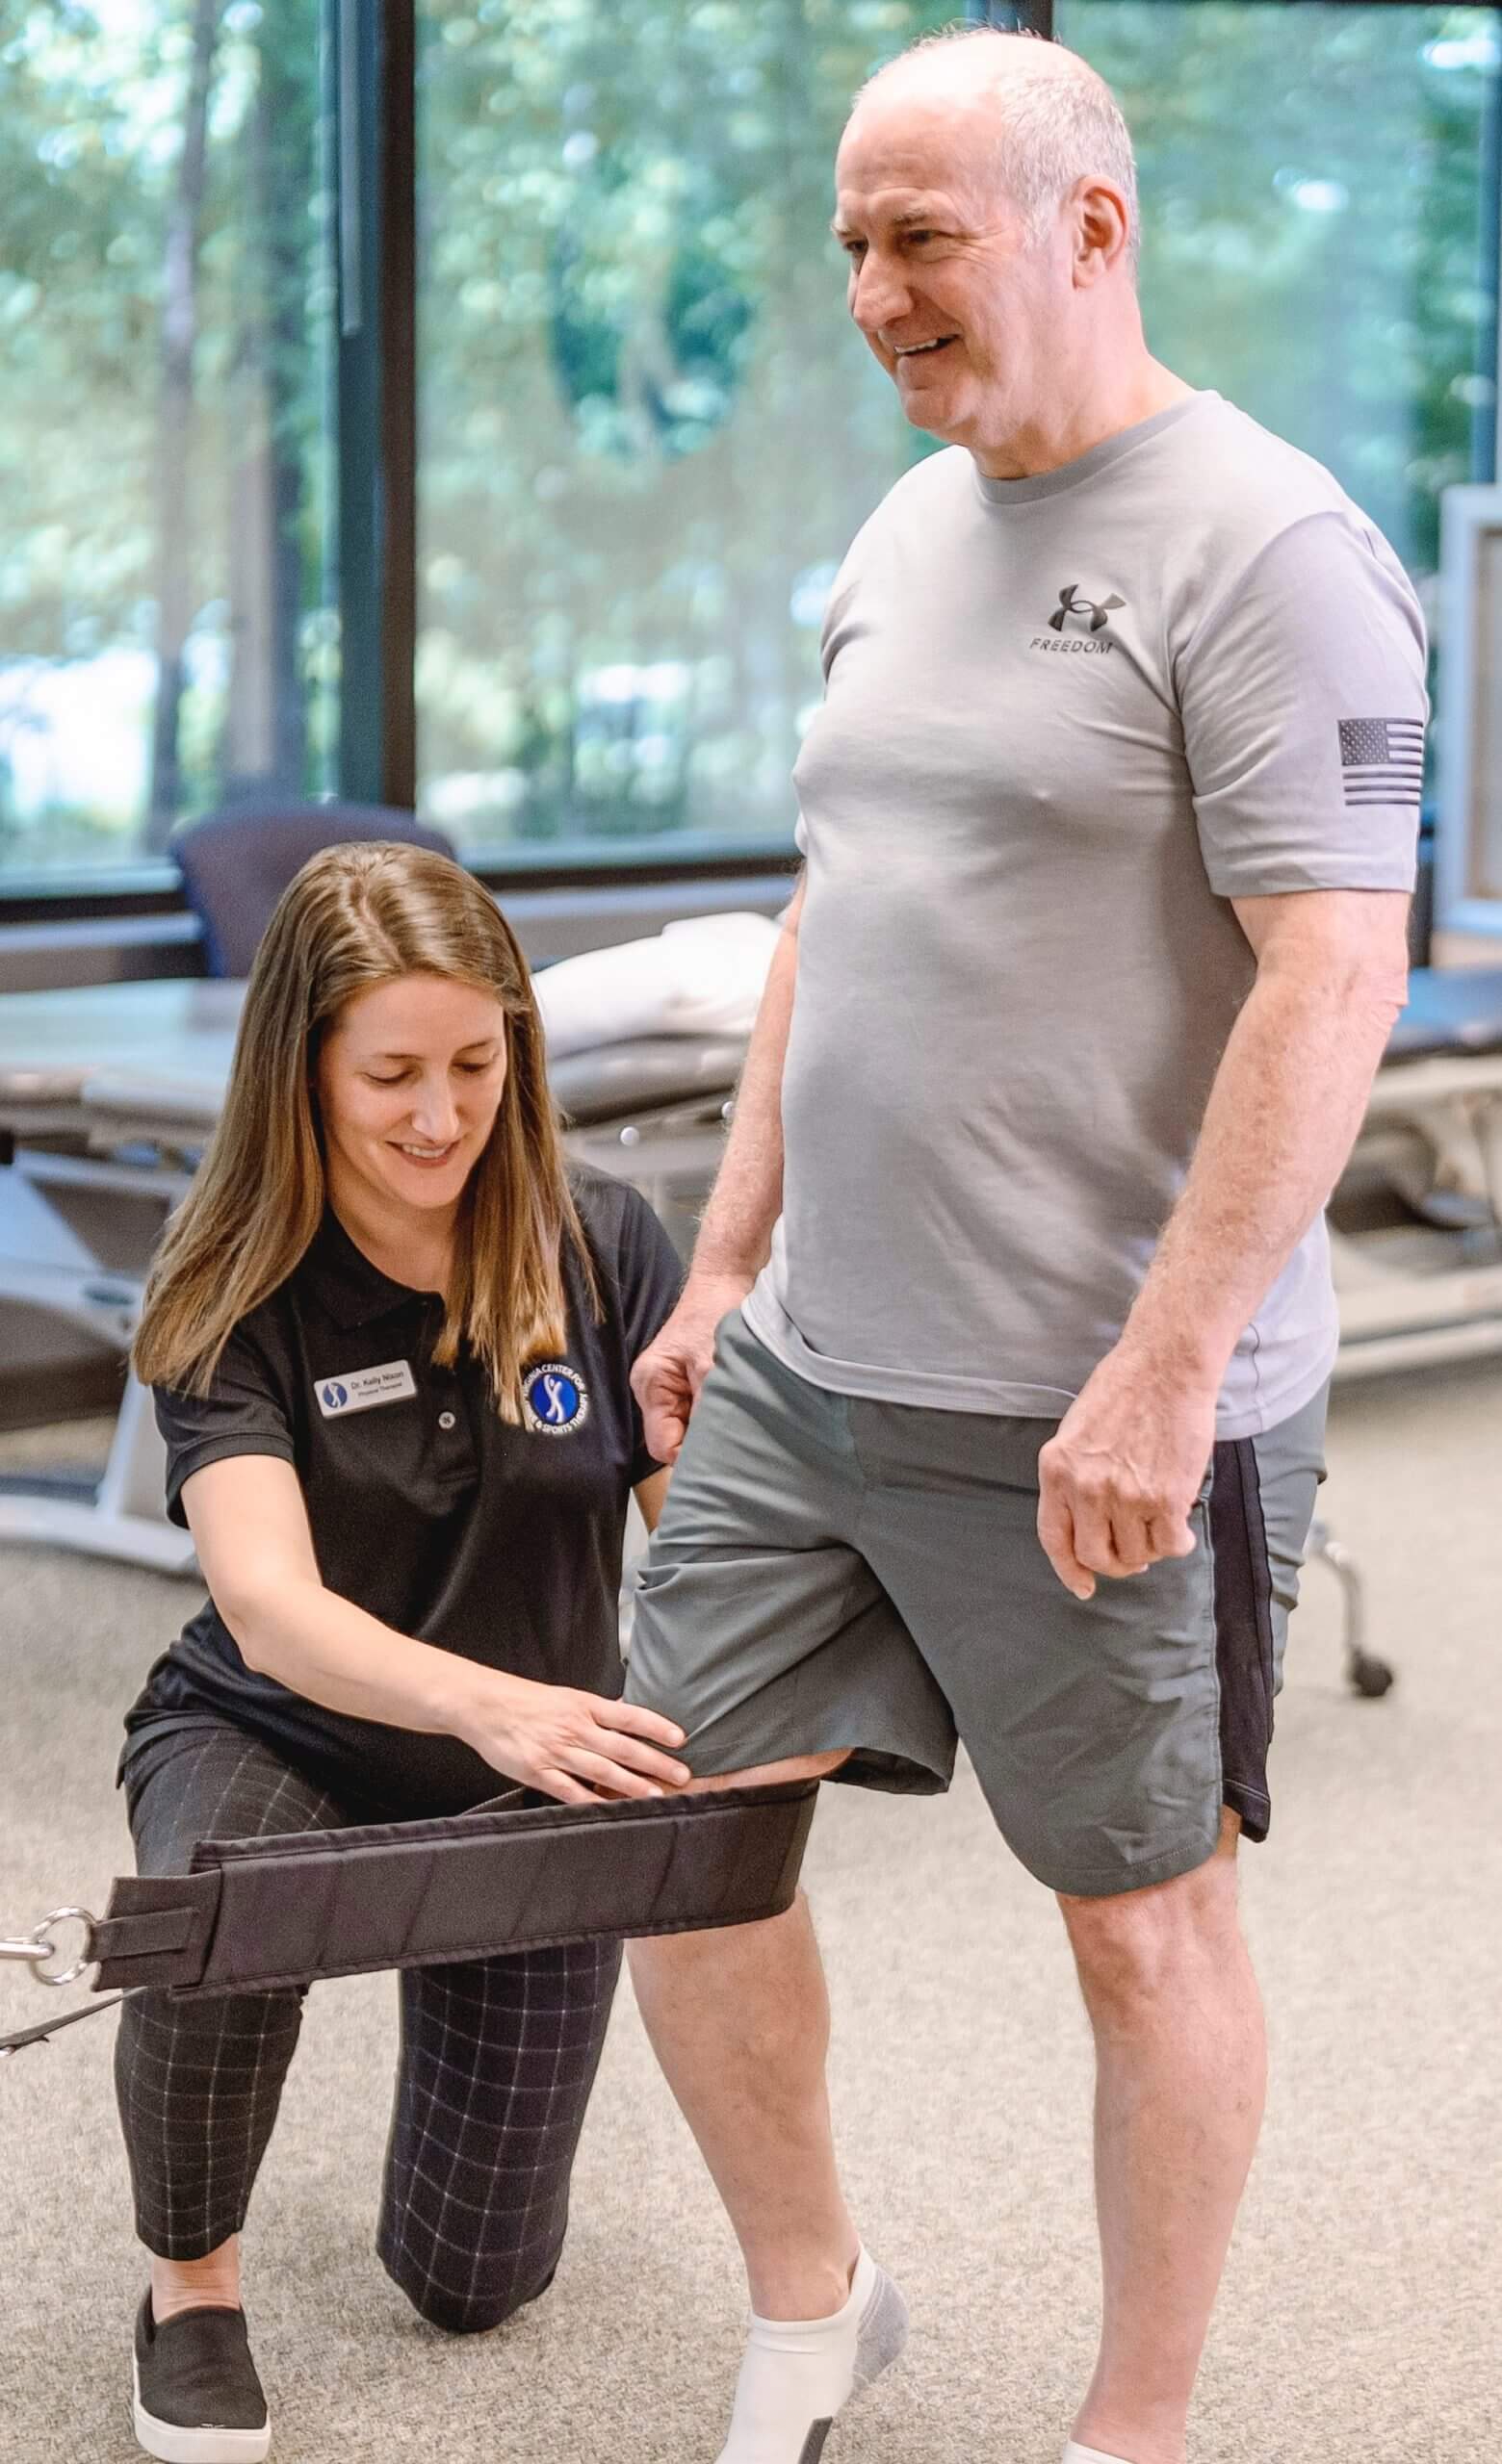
514	1876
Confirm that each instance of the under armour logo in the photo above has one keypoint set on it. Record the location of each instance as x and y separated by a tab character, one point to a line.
1072	605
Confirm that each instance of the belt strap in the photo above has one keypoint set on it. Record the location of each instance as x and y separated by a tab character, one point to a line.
257	1913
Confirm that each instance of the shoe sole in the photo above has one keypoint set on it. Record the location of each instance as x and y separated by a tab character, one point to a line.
172	2444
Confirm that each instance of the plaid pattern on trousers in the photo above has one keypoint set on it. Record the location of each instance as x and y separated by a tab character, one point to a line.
497	2061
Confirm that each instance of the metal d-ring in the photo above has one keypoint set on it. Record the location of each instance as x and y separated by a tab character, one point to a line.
41	1935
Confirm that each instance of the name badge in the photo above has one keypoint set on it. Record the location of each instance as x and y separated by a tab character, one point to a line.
360	1390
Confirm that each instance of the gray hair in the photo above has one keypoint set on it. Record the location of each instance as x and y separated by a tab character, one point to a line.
1058	122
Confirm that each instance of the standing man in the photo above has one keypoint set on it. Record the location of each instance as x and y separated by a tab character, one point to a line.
1017	1262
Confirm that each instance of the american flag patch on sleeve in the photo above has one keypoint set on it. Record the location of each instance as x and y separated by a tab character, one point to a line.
1382	761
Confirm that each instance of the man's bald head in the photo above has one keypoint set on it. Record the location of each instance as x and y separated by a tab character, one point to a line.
1056	122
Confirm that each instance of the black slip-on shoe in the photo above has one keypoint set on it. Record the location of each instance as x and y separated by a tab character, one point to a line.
197	2398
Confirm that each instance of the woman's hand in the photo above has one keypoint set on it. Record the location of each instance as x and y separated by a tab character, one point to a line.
581	1748
668	1374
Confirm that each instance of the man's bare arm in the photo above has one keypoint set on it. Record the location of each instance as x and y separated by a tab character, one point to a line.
1282	1116
1121	1473
735	1232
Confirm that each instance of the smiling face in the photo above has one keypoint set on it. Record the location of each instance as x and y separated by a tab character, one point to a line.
410	1079
961	308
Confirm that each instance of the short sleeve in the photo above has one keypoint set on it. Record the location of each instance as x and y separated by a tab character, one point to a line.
651	1277
246	1411
1303	714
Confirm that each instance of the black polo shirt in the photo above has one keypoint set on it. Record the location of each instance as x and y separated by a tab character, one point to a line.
500	1542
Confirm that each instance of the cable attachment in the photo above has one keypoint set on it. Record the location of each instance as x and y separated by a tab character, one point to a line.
38	1947
29	1948
20	2037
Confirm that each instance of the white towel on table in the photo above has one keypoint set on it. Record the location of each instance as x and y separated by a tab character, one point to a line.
701	977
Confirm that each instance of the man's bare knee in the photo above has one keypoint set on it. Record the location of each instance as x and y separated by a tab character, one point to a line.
765	1775
1129	1944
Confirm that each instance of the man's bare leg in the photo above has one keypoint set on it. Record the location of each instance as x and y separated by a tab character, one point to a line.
739	2020
1181	2075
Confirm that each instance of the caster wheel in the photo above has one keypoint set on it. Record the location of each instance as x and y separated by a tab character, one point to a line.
1370	1677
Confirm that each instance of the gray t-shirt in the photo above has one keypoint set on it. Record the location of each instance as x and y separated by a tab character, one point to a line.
1067	720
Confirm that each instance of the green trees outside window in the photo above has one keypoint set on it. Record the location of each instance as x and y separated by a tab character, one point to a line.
1312	227
648	429
649	432
166	305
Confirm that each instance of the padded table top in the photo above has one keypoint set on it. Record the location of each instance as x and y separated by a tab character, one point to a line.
644	1075
144	1051
50	1042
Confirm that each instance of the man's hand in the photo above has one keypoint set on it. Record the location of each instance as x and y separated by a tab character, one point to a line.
667	1376
1119	1474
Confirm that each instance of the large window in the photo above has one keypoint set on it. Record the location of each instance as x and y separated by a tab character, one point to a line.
1315	228
165	635
648	428
646	431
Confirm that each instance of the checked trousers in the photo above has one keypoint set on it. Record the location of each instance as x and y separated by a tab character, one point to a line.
497	2061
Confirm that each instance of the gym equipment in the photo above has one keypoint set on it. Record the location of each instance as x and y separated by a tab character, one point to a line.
1416	1223
518	1873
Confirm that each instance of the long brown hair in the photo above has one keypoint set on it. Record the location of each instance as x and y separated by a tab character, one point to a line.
356	916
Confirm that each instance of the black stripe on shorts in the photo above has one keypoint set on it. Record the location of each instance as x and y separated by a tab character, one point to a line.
1243	1633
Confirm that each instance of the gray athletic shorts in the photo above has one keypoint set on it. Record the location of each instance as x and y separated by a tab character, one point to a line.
834	1574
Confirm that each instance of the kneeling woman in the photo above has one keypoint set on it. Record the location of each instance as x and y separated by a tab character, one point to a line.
390	1339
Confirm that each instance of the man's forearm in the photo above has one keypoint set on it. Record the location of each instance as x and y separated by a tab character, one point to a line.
735	1233
1282	1116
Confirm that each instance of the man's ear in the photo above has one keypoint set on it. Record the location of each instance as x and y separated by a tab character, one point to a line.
1101	231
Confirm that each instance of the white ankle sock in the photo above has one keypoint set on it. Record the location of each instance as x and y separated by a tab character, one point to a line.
797	2372
1075	2454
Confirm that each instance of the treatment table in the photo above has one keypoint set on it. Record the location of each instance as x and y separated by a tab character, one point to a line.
1416	1223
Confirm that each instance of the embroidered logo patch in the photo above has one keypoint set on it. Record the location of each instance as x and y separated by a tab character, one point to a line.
360	1390
555	1398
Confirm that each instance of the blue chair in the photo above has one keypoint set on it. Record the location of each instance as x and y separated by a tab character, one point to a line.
235	864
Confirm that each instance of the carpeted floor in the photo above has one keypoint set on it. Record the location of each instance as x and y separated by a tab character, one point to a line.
1358	2323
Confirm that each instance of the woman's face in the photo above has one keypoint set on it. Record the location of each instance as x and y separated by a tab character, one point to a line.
410	1079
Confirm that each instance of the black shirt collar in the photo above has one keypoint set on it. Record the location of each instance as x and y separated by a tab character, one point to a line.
347	1285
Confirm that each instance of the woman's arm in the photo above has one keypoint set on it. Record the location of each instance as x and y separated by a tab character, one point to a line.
249	1526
